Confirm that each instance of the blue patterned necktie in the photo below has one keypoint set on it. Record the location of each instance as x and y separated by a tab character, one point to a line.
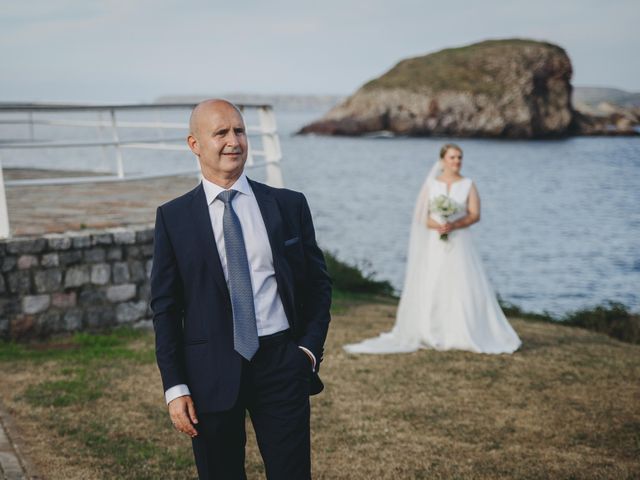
245	331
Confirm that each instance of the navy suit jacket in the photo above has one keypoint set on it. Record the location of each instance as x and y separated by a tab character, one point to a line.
190	299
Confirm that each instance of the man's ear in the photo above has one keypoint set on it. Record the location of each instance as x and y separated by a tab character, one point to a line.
193	145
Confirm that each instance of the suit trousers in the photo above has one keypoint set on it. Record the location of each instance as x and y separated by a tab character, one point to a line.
275	391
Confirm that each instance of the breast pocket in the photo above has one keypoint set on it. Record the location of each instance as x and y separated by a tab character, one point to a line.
291	241
293	249
294	254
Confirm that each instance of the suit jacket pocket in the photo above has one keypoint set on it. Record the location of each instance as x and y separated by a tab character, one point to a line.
291	241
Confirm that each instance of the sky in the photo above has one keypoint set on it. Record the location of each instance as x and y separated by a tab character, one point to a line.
137	50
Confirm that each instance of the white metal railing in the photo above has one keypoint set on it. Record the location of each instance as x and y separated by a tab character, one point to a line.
268	156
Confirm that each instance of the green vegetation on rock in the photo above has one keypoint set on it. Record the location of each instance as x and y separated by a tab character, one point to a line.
476	68
611	318
349	278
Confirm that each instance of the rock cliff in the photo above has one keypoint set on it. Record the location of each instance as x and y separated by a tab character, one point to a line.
512	88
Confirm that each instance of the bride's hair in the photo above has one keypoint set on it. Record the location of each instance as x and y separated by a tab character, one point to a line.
447	146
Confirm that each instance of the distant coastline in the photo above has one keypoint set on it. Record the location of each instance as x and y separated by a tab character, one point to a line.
282	102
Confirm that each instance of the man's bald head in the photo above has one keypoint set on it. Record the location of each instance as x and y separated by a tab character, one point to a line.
205	108
218	137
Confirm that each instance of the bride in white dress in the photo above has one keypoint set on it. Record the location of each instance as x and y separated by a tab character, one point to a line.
447	301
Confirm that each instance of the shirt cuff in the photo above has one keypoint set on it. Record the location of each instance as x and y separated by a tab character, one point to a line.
313	357
175	392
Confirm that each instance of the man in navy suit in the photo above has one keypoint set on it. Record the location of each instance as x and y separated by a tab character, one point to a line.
240	297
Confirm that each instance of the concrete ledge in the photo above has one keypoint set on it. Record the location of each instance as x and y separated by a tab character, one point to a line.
14	465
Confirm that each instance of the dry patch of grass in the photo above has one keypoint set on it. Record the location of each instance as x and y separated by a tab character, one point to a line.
565	406
93	409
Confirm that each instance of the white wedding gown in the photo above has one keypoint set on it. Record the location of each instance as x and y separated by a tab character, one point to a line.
447	301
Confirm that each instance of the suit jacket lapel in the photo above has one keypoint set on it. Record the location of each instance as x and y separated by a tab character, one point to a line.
273	222
272	218
202	222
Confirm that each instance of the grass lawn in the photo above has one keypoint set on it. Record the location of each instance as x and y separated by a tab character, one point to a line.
566	406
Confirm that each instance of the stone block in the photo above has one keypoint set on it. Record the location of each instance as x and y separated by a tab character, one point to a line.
72	320
58	241
27	261
48	280
144	292
120	293
91	296
19	246
64	300
114	254
148	267
50	260
121	272
95	255
22	326
136	268
10	306
81	239
19	282
3	287
69	258
99	316
130	311
132	252
102	238
49	322
4	328
146	250
35	303
100	273
9	263
124	237
144	325
145	236
77	276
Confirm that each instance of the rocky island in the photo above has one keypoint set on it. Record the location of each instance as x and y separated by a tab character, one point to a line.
512	88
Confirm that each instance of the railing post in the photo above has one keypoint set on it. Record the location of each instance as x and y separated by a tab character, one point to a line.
5	232
250	160
271	146
159	121
32	133
102	135
116	139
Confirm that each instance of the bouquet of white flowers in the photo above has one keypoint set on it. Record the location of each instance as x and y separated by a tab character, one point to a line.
445	207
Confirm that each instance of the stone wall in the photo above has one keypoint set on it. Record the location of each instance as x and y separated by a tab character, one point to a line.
83	280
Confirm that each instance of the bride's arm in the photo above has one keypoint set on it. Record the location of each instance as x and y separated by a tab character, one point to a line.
431	223
473	210
440	227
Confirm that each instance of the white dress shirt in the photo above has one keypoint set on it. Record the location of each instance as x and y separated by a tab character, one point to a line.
270	315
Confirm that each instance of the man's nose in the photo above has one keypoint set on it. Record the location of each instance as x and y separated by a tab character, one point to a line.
232	139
